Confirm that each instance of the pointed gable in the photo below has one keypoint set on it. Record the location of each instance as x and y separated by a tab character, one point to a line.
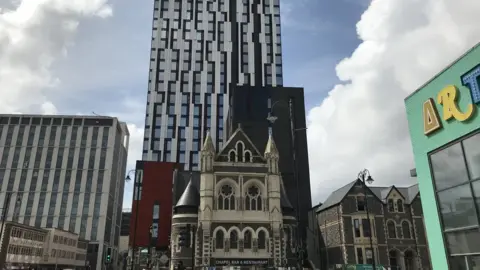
239	142
392	189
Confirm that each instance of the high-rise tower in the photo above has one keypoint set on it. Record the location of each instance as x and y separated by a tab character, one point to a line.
200	50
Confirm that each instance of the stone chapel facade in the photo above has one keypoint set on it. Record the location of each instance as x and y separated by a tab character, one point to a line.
241	215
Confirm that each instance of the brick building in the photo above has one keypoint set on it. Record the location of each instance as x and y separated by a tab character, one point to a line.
397	232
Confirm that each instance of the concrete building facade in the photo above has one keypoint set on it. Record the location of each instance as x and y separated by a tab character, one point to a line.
65	172
21	246
199	51
27	247
241	215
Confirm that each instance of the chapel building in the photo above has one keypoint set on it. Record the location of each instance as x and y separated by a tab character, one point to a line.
240	215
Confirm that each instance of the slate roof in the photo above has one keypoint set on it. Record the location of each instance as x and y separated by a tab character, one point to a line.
190	197
336	197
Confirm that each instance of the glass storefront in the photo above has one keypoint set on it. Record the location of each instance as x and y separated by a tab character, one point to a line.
456	178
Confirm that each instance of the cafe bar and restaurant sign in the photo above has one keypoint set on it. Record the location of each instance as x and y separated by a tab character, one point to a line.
240	262
446	101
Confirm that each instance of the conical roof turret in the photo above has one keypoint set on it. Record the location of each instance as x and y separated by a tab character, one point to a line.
190	198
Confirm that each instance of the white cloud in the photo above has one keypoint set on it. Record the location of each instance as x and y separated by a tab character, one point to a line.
362	122
33	35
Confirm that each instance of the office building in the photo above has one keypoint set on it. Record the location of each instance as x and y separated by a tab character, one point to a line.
64	250
65	172
396	229
27	247
240	216
21	245
250	106
444	126
150	219
199	51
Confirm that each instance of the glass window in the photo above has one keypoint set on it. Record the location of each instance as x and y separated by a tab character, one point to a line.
462	242
391	207
400	205
392	232
473	262
457	207
366	228
360	203
449	167
356	226
359	256
472	155
458	262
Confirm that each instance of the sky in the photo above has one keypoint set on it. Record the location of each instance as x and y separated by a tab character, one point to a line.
356	59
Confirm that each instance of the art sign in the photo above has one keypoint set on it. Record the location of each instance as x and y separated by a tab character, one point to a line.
240	262
448	99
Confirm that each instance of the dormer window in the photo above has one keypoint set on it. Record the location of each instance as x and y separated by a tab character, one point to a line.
391	206
360	203
399	205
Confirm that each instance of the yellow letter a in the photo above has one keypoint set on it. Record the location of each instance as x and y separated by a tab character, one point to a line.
431	121
448	97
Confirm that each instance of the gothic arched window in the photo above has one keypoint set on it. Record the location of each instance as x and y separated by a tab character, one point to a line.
233	240
247	156
253	200
247	240
239	148
392	231
231	156
400	205
406	230
262	240
226	198
219	239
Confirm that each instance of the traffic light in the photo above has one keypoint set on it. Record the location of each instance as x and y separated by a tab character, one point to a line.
184	239
108	258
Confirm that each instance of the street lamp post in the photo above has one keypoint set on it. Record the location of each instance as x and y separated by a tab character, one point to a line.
135	193
271	118
365	177
150	234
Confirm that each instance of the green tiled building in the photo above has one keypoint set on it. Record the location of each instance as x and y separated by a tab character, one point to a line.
444	123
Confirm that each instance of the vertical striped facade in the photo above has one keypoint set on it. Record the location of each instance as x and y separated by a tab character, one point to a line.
200	50
65	172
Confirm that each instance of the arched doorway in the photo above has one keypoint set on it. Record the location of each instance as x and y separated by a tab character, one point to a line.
410	263
394	259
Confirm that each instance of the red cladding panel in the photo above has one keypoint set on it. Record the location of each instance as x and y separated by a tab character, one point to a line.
157	184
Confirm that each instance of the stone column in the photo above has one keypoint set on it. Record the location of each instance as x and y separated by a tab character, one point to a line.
402	260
